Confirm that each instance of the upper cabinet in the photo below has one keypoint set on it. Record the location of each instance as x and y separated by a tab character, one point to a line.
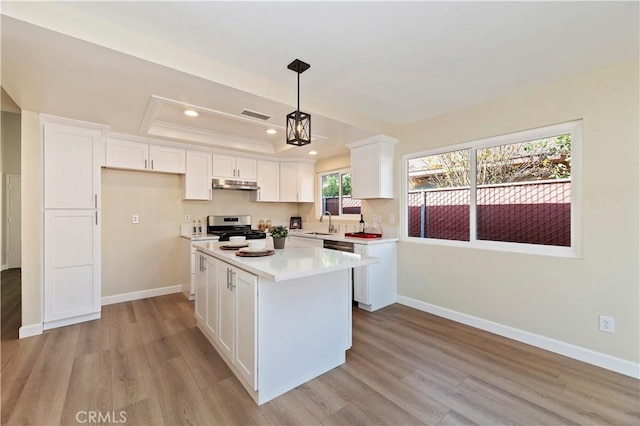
268	181
372	174
230	167
71	167
123	154
197	179
296	182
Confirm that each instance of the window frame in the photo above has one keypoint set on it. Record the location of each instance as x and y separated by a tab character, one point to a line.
575	128
319	212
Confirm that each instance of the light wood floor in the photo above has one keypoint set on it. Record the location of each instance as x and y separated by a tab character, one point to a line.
148	359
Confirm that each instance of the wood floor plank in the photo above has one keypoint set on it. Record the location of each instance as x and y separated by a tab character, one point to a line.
287	410
361	396
205	364
455	419
42	399
418	404
319	399
16	372
181	400
230	404
130	373
95	336
89	387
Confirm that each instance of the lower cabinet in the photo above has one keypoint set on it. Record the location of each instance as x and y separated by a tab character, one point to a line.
375	286
226	304
72	289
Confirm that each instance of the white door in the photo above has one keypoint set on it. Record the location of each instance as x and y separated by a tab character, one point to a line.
197	179
224	166
13	245
201	286
212	297
127	155
246	168
246	325
227	308
268	181
166	159
71	168
71	263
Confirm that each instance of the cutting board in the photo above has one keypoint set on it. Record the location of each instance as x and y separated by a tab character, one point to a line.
254	254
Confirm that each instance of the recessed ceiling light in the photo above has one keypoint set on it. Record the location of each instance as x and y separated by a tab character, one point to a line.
313	152
191	113
272	131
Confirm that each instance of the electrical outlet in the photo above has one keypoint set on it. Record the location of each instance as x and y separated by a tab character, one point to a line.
607	324
392	218
135	219
187	218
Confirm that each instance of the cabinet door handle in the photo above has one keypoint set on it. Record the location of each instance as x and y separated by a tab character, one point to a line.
238	172
95	200
145	163
209	193
228	270
151	164
232	285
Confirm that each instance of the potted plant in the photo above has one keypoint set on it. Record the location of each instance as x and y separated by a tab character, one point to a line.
279	234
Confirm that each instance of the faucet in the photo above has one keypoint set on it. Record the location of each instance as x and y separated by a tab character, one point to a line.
331	228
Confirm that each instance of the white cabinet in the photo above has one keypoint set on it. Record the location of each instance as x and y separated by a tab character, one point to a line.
197	178
71	167
226	305
372	174
212	306
295	241
230	167
71	172
297	182
201	288
268	181
71	267
123	154
375	286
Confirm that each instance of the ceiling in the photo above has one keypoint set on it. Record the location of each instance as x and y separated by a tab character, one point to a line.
375	66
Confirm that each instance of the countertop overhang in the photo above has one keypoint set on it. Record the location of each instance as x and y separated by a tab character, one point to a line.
290	262
341	237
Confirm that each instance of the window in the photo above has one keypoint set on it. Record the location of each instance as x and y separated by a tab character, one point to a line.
336	194
515	192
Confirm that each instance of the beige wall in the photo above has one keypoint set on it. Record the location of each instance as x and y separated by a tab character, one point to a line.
558	298
31	205
10	133
151	254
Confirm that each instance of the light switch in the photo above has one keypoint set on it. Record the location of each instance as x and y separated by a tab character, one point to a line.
135	219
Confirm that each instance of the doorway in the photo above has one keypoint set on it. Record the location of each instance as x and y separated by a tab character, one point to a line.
12	237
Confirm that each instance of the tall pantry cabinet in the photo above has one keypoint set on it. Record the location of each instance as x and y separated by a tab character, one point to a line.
72	222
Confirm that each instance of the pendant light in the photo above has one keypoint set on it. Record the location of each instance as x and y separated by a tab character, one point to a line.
298	122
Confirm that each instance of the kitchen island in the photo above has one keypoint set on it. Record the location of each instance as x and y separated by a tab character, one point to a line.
278	321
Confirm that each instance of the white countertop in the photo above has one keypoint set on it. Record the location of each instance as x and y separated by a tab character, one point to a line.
205	237
289	263
341	237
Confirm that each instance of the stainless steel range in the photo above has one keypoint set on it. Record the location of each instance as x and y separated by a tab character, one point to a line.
229	226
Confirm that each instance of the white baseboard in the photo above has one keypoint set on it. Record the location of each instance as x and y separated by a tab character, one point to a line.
143	294
30	330
589	356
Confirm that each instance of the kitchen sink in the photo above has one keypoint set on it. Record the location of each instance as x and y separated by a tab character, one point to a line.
317	233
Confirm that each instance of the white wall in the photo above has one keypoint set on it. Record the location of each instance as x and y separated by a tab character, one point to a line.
151	254
32	220
558	298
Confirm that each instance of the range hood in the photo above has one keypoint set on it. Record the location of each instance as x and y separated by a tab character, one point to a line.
243	185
